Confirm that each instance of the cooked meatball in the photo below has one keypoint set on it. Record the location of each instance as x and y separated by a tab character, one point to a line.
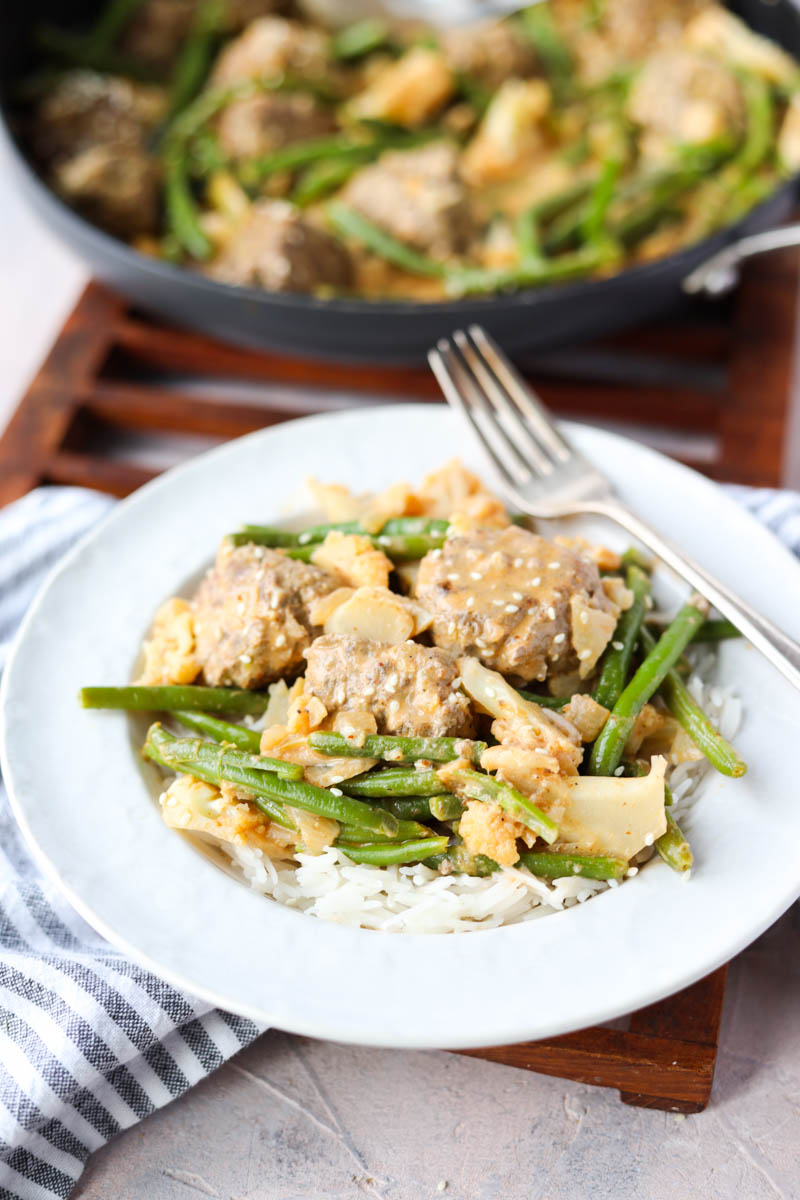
84	109
685	96
268	120
158	28
417	196
251	618
276	248
114	184
271	46
408	688
490	52
505	596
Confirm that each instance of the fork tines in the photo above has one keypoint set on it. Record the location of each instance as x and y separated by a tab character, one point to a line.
515	429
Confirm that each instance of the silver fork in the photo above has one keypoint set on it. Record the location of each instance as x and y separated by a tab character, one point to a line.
546	477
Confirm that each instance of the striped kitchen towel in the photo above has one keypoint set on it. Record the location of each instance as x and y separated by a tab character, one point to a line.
90	1043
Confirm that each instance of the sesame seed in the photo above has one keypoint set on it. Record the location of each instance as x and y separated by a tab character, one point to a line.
584	618
305	538
280	640
334	791
434	554
553	566
451	628
470	602
475	575
516	595
368	691
631	871
246	659
551	612
619	771
337	778
393	706
499	603
535	582
649	839
453	575
584	654
240	607
518	562
491	693
512	608
560	637
617	645
385	540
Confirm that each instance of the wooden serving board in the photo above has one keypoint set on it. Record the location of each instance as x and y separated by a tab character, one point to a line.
121	396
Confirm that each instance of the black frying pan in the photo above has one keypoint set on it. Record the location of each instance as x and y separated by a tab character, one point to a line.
361	330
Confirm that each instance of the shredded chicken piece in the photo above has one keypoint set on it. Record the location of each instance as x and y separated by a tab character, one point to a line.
169	653
410	91
510	134
354	559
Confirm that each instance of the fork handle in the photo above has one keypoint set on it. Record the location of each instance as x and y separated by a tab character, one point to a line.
776	646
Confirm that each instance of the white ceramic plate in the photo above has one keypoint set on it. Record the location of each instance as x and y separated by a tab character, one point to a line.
85	799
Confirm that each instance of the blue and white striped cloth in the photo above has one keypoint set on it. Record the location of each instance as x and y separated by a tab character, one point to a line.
90	1043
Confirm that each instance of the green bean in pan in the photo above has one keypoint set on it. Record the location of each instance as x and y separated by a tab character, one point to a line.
685	709
608	748
398	749
394	782
465	281
223	731
474	785
593	225
350	224
189	755
171	697
387	854
555	865
194	60
359	39
182	214
616	660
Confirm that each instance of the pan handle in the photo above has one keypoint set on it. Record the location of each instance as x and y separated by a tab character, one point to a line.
720	273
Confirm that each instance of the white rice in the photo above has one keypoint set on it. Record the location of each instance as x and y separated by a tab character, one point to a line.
414	899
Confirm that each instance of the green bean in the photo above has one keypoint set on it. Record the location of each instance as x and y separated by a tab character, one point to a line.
673	846
474	785
551	48
196	115
182	214
406	831
224	731
113	19
463	862
465	281
247	770
397	749
610	744
425	808
717	630
636	558
341	146
158	748
234	758
760	135
321	178
350	224
528	235
685	709
170	697
555	865
616	659
406	527
359	39
387	854
194	58
593	225
395	781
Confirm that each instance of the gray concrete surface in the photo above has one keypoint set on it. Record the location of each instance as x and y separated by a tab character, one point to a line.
294	1119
